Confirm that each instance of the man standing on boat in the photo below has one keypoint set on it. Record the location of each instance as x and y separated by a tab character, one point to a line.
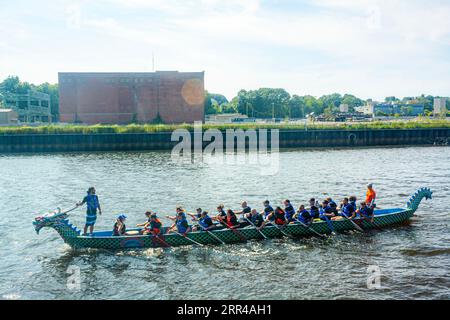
370	196
93	204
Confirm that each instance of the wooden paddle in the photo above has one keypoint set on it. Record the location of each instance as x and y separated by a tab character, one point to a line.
249	221
184	235
211	234
240	235
309	228
354	224
273	223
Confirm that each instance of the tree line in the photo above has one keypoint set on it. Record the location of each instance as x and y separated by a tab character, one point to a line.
278	103
261	103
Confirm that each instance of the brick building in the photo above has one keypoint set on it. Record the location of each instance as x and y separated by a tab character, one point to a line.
121	98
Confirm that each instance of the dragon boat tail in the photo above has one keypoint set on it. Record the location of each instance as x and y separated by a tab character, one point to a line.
105	240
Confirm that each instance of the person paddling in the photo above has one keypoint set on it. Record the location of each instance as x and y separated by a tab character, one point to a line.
221	214
303	215
370	196
333	205
119	228
347	209
278	216
93	204
231	220
314	208
148	215
257	219
268	210
154	226
195	215
205	222
365	212
289	211
180	222
246	212
326	212
352	202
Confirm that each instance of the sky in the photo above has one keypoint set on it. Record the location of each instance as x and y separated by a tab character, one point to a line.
369	48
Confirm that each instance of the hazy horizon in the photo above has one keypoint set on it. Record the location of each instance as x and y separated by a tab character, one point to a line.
371	49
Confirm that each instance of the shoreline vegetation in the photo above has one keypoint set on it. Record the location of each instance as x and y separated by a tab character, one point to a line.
157	128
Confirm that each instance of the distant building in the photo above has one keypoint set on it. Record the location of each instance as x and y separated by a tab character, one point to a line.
389	109
31	107
122	98
367	109
227	118
343	108
440	106
8	116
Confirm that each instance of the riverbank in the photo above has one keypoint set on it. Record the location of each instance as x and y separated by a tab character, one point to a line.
287	138
284	126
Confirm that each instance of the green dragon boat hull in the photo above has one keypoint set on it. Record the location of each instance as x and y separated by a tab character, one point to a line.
105	240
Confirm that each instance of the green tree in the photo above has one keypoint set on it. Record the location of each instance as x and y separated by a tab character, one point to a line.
213	102
352	102
331	102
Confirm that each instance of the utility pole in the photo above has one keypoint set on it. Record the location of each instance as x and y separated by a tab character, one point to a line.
153	61
273	111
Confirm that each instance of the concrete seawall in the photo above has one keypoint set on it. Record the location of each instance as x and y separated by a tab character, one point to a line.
36	143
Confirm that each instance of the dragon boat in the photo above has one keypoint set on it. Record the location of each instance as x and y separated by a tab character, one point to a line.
105	240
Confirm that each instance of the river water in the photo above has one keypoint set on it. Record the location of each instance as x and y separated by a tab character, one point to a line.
414	260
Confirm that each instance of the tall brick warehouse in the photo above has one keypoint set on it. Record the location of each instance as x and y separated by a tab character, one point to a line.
121	98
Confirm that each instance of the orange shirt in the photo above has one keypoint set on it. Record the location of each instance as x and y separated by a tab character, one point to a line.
370	195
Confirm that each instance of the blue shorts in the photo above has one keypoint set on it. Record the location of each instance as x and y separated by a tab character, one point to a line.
91	217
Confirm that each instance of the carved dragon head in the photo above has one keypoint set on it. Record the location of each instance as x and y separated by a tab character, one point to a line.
51	220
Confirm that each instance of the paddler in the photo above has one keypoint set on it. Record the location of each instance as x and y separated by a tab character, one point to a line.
148	215
231	220
268	210
93	204
257	219
333	205
180	222
370	196
303	215
326	212
246	211
205	222
220	211
314	208
154	226
347	209
289	211
197	214
278	216
119	228
365	212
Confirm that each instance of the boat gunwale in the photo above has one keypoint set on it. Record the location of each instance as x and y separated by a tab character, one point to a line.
175	235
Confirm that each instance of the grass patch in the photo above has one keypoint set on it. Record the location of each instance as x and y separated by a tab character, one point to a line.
153	128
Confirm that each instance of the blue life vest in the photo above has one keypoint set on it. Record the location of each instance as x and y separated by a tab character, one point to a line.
205	222
366	212
353	204
268	210
182	225
256	219
92	201
347	210
304	216
314	212
290	211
